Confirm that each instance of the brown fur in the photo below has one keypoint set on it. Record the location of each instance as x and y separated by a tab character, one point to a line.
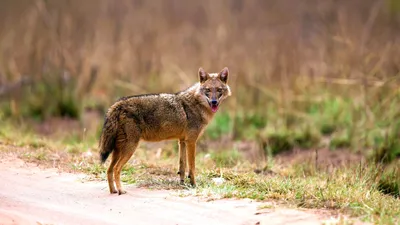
156	117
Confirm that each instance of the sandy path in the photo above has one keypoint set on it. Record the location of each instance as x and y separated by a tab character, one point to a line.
29	195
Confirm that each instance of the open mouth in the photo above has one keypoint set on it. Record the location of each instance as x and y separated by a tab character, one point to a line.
214	107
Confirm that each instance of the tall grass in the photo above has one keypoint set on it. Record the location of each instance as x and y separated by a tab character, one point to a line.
301	71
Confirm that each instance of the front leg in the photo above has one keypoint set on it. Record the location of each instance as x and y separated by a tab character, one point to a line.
182	160
191	154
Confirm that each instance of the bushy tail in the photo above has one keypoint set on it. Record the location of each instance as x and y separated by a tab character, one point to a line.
109	133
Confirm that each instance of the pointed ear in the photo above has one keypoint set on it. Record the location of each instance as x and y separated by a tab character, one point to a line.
223	75
203	76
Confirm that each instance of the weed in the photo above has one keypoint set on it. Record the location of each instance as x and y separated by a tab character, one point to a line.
389	182
247	125
306	138
327	128
277	142
54	95
226	158
220	125
340	142
387	146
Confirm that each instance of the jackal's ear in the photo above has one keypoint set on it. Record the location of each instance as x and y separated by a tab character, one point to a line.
203	76
223	75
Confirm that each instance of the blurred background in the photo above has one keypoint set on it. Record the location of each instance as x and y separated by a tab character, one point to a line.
305	74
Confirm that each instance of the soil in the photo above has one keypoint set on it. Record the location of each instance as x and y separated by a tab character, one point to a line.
33	195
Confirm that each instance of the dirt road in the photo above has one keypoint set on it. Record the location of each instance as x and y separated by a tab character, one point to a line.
30	195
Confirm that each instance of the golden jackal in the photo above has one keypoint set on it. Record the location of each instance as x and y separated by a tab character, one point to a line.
156	117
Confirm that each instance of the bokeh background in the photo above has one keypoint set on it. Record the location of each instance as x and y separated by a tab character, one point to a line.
305	74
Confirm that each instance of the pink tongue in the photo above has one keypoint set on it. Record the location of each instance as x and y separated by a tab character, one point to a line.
214	108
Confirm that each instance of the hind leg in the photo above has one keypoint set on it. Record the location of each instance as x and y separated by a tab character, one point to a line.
110	171
126	153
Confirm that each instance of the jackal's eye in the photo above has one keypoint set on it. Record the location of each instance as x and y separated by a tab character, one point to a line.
207	90
220	89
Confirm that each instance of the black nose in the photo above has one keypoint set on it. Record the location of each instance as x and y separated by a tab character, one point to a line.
214	102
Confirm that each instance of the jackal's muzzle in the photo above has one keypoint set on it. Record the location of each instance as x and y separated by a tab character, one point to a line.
214	105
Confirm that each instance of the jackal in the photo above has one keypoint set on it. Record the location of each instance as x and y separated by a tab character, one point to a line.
156	117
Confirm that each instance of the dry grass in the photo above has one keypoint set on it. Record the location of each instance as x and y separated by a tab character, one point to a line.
290	43
286	57
364	190
305	74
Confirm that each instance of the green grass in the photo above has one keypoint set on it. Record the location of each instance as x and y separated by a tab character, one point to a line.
54	96
353	190
369	191
362	120
341	141
337	119
226	158
220	126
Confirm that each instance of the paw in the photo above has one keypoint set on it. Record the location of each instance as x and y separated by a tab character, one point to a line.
182	176
121	192
113	191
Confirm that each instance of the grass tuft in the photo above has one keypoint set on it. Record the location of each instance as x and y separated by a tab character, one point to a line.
389	182
226	158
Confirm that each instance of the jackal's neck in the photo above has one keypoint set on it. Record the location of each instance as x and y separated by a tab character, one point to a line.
193	89
190	91
193	96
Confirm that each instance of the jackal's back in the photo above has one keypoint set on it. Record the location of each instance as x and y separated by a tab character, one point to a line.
158	116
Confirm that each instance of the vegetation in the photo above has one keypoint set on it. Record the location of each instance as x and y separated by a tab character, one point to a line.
324	76
367	191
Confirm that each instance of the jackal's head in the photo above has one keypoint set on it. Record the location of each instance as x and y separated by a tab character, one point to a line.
214	87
